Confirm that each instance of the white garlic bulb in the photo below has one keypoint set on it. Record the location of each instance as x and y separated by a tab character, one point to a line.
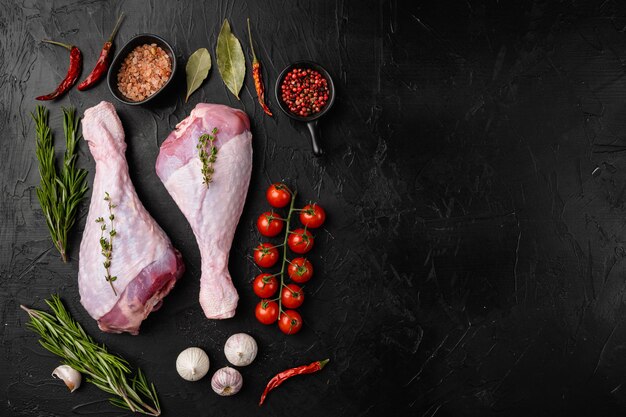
69	375
192	364
226	381
240	349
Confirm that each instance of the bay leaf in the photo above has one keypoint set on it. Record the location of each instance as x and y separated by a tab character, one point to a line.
230	59
197	69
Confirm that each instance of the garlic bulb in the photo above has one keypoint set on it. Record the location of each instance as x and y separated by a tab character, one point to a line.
192	364
240	349
226	381
69	375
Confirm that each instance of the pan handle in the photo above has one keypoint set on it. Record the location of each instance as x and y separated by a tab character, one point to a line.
315	136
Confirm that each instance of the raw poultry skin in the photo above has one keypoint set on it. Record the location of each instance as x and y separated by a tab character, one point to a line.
213	212
146	264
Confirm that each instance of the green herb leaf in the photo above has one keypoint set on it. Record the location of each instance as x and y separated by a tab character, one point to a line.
107	244
230	59
197	69
207	158
59	191
64	337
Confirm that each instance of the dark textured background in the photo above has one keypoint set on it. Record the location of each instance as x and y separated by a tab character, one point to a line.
473	260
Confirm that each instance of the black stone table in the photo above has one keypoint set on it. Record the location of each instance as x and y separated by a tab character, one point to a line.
472	263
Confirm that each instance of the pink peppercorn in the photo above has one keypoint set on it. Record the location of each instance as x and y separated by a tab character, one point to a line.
304	91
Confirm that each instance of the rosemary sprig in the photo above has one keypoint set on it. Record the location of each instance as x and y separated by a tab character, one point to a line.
106	244
64	337
59	193
207	157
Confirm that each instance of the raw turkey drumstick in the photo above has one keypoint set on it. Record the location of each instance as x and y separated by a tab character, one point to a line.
127	263
205	165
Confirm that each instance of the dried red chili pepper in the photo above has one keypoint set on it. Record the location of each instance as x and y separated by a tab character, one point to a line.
258	76
76	62
103	60
285	375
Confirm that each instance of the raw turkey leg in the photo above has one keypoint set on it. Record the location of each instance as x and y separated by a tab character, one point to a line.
213	211
143	259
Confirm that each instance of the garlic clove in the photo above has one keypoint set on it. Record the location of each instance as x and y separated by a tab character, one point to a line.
192	364
240	349
227	381
69	375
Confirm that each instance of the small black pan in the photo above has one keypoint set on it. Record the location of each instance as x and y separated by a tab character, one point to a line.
311	121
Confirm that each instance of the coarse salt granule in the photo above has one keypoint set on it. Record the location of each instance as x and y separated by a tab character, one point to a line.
144	71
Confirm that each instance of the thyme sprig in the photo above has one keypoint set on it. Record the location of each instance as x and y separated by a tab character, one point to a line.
59	192
62	335
207	156
106	243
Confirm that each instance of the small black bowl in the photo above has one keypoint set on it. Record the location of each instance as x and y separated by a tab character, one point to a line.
138	40
311	121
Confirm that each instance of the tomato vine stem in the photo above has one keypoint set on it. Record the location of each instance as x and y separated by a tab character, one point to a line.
285	260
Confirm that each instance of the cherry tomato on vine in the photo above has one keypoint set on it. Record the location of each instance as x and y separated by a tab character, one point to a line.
265	285
300	241
269	224
312	216
265	255
290	322
278	195
266	311
292	296
300	270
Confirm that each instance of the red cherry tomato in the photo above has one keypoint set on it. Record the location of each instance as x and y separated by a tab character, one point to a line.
312	216
265	255
265	285
300	241
290	322
269	224
278	195
292	296
266	311
300	270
